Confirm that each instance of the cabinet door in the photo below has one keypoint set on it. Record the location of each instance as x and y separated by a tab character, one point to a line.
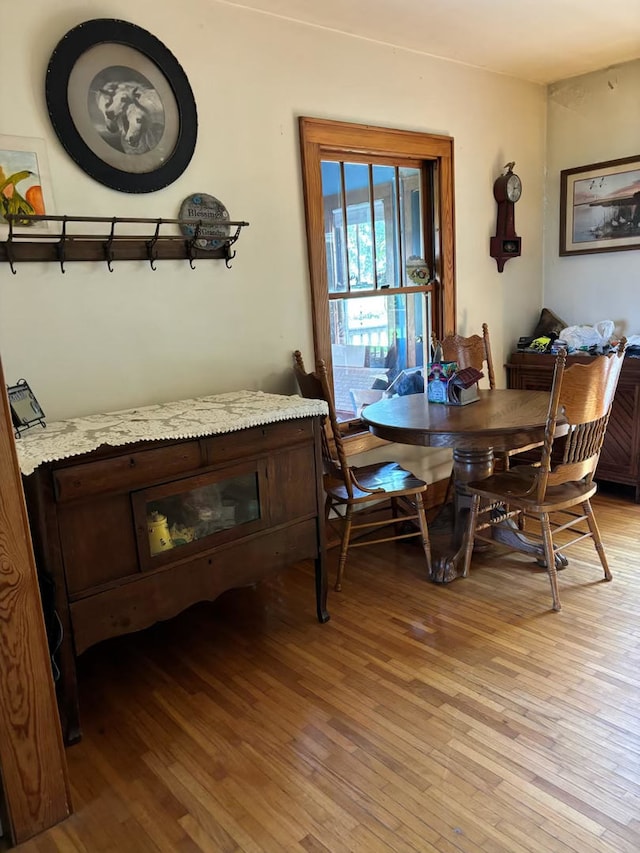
292	484
98	542
619	457
187	516
534	375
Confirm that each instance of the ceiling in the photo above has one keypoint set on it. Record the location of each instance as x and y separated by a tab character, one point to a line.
538	40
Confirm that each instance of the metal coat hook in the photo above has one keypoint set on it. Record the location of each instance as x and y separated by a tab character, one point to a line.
10	255
60	248
151	250
228	255
108	247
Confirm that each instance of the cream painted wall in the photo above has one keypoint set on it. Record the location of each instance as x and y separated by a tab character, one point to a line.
91	341
592	118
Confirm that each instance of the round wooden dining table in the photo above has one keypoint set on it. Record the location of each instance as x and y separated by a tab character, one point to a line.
498	420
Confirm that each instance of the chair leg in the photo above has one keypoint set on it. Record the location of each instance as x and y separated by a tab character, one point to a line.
395	513
470	535
327	508
344	547
506	461
550	559
597	540
424	530
520	516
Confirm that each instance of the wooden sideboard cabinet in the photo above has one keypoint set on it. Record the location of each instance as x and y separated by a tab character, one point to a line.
236	507
620	457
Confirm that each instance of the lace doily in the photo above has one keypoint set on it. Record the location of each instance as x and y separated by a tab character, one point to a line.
212	415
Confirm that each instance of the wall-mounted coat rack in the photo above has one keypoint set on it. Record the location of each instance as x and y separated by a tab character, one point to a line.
152	245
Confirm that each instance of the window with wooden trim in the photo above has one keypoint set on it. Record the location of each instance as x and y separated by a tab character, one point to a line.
379	214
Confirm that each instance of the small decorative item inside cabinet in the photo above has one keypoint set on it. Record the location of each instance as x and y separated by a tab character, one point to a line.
187	515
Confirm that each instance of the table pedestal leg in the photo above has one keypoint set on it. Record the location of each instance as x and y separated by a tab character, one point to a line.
468	465
471	465
512	537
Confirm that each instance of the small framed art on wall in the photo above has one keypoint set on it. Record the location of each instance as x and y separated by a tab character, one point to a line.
25	187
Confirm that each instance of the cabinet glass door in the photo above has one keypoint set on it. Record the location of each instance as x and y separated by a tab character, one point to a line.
173	519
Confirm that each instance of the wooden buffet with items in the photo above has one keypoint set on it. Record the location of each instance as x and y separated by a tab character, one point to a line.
620	457
134	531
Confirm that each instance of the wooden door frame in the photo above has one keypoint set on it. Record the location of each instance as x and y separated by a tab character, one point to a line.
33	767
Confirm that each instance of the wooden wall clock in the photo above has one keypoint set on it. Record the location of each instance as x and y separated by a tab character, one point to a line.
506	244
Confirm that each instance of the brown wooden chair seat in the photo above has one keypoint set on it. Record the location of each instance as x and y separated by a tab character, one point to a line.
580	400
358	496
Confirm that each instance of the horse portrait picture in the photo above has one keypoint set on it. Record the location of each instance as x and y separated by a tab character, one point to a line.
126	110
121	105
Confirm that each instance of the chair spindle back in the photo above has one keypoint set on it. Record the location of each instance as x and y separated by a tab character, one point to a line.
581	395
474	351
315	386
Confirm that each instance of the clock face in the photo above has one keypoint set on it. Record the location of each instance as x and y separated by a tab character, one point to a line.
514	188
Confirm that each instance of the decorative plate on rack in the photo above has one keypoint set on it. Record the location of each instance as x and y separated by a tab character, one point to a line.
208	215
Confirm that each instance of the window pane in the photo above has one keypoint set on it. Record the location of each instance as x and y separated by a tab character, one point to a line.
411	217
337	273
360	239
362	255
387	242
374	339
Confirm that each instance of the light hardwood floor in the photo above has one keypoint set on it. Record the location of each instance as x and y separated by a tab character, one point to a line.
468	717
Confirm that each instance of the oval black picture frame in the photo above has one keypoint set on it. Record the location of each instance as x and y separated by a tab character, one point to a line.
71	48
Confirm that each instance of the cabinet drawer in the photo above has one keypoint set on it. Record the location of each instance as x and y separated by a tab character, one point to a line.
247	442
122	473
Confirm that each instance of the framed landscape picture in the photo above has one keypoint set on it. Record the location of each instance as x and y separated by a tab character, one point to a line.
600	207
24	182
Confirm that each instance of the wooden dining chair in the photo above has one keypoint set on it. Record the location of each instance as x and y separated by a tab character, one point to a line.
558	492
356	494
475	351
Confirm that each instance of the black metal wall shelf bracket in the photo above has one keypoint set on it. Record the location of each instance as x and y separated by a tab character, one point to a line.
68	242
